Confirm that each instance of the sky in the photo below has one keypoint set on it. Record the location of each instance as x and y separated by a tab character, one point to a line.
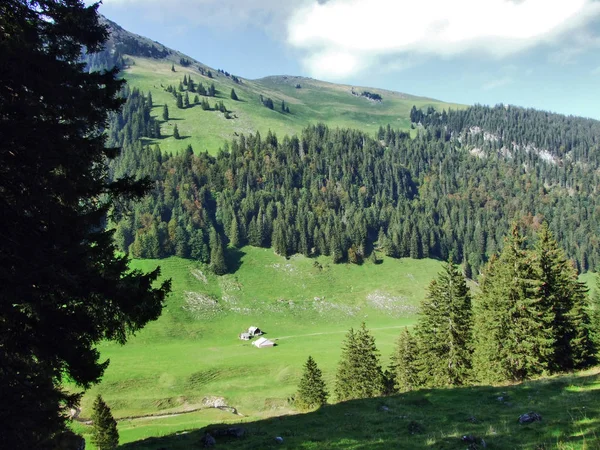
534	53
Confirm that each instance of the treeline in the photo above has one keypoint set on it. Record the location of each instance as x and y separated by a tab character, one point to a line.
345	194
531	316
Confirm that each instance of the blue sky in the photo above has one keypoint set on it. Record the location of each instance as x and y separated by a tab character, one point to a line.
535	53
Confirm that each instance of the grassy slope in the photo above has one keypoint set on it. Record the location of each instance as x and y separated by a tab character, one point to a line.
569	406
192	351
315	102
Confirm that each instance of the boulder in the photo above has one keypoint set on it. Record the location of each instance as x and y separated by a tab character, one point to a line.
530	417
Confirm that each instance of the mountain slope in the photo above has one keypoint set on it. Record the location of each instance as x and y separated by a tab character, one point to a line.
148	65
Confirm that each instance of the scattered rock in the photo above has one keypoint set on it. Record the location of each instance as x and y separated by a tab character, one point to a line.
214	402
483	444
472	419
530	417
279	440
384	408
469	438
208	441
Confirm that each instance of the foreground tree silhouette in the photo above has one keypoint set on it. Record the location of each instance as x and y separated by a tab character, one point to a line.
64	289
312	391
105	435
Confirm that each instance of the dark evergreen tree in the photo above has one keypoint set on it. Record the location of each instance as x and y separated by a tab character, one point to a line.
172	67
444	330
186	100
234	233
312	391
359	373
566	297
234	95
65	288
165	113
176	132
217	254
513	329
404	369
179	101
105	435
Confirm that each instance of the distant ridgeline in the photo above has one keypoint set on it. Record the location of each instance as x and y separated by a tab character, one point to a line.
122	42
454	188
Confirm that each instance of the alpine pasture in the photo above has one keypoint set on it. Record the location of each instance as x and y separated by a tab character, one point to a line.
192	354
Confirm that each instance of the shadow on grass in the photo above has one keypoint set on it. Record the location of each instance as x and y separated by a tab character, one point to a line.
233	258
427	419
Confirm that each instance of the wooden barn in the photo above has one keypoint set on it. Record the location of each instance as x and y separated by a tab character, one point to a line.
254	331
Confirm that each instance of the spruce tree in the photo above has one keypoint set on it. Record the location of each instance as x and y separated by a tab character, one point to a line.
404	366
566	297
359	372
312	391
513	329
217	254
165	113
105	435
179	101
186	100
176	132
65	288
234	233
444	330
233	95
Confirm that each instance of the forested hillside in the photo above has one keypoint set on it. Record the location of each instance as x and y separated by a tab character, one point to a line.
451	190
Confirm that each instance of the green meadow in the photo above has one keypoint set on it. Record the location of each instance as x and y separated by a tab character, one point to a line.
192	354
316	101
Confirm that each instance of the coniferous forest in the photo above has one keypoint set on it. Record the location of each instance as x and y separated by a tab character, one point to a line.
450	190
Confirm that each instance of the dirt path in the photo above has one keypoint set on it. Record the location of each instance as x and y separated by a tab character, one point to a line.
230	409
332	332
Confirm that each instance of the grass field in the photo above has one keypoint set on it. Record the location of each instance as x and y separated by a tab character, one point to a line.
192	352
314	102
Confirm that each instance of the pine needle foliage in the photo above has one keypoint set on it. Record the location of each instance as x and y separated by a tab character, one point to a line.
312	391
403	367
444	330
513	327
359	372
105	435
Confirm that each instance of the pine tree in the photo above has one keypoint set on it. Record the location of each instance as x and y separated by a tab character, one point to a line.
513	329
312	391
217	254
233	95
176	132
186	100
65	288
234	233
359	372
179	101
444	330
105	435
172	67
165	114
404	368
566	297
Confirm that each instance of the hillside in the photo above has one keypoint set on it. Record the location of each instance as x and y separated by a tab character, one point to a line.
308	229
147	64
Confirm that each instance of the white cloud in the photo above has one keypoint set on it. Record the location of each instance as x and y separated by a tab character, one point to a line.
343	37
